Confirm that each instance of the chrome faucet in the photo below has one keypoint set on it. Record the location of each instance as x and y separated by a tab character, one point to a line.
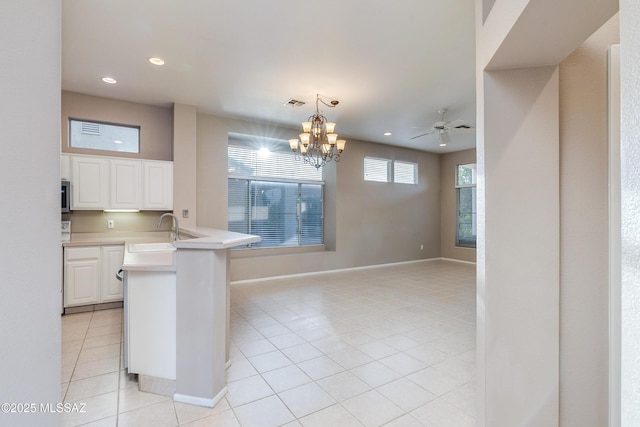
175	218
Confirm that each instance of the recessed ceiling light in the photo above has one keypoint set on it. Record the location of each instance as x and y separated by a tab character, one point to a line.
109	80
117	142
387	134
156	61
443	144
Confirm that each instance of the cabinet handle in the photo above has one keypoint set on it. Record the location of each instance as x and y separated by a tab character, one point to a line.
119	275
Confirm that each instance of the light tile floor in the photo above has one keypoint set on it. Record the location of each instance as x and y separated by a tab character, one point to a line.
391	346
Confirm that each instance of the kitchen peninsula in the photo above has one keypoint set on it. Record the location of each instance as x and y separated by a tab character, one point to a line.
177	312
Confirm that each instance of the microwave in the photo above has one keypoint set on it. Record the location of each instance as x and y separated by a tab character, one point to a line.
65	193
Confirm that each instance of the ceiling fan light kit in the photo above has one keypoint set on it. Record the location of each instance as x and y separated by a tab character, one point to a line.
318	144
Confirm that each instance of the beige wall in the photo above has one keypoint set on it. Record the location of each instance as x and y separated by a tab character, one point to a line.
156	123
96	221
584	233
184	156
448	163
366	223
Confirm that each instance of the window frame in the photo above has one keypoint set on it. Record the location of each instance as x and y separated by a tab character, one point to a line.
71	120
415	172
473	185
389	169
251	179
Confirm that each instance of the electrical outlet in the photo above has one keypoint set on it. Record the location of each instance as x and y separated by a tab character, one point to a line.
185	213
111	223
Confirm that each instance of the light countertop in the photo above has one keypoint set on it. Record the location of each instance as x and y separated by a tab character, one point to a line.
116	238
196	238
211	238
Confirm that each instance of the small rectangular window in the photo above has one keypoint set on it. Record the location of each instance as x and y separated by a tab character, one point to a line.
466	175
376	169
104	136
405	172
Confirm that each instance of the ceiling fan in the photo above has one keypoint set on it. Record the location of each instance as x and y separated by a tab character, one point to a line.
442	128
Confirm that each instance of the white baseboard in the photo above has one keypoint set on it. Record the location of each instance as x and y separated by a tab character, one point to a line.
339	270
458	260
200	401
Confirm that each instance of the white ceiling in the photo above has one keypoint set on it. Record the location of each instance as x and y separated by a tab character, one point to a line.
391	65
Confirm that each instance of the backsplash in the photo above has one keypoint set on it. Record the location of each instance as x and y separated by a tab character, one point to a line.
96	221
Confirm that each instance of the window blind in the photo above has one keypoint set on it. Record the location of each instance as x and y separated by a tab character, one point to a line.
376	169
275	196
405	172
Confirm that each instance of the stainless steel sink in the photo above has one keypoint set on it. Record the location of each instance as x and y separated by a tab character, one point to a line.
151	247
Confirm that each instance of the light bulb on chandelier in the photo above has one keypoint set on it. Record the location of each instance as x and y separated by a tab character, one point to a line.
318	143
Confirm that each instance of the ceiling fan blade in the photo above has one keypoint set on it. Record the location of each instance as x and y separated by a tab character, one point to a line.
421	135
468	130
456	123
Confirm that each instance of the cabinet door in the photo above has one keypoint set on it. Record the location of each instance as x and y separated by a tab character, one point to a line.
81	276
158	185
125	184
111	288
89	183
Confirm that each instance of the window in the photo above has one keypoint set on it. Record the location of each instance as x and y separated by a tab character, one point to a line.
405	173
376	169
274	196
466	222
380	170
104	136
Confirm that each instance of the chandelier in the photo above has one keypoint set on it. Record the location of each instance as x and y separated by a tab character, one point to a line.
318	143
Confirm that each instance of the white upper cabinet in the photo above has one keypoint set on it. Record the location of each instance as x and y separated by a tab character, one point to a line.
89	183
158	185
125	188
99	183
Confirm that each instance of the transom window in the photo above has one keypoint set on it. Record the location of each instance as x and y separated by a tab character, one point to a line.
405	172
385	170
104	136
466	218
274	196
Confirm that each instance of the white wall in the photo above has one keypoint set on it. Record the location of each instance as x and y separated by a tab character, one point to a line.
30	253
584	235
518	278
630	154
519	313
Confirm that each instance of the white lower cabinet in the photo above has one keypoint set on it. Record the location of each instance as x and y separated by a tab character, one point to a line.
81	275
90	274
150	327
111	289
